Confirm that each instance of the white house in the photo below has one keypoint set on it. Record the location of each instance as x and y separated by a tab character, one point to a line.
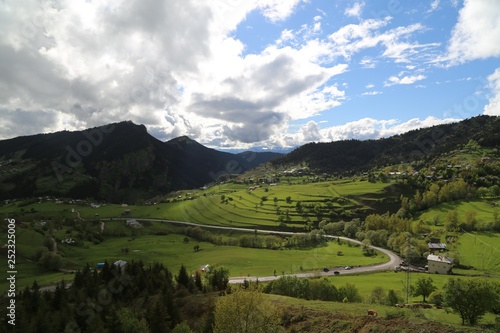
439	264
120	263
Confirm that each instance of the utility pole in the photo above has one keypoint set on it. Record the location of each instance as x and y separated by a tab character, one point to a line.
407	282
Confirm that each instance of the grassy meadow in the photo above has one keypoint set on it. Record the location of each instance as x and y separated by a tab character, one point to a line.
234	204
173	251
237	206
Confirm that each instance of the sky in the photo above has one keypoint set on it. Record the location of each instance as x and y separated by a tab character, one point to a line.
241	74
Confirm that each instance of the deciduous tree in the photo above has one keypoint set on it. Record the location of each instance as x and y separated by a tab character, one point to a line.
424	287
246	311
471	299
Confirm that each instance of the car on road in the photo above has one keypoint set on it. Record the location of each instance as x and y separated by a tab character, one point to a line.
326	270
336	272
347	268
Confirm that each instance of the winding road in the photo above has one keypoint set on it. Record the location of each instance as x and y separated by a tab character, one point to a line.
394	259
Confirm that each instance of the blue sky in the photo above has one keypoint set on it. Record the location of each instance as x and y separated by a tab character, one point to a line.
237	74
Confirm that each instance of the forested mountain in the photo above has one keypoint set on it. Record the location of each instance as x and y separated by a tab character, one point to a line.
121	162
118	162
420	145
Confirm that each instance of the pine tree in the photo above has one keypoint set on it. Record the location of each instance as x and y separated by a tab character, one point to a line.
183	277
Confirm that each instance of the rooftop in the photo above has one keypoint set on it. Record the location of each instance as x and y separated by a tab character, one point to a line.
432	257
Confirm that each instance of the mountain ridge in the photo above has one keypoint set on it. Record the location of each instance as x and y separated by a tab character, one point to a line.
116	162
417	146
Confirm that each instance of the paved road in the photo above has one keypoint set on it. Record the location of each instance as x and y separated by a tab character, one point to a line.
394	259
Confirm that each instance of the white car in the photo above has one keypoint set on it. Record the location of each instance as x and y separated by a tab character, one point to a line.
347	267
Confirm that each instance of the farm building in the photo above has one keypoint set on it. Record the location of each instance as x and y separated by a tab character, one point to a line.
120	263
205	268
436	247
439	264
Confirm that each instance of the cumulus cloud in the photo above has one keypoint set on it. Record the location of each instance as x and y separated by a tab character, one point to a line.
411	79
369	128
355	10
362	129
276	10
493	106
180	69
477	32
310	131
94	63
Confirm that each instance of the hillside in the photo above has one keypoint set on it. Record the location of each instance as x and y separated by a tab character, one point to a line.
417	146
117	162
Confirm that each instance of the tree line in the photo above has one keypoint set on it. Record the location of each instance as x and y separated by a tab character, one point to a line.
272	242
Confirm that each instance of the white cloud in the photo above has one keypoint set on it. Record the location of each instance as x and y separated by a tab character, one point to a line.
370	86
368	62
310	132
180	69
393	80
362	129
434	5
91	63
493	106
477	32
355	10
277	10
371	93
286	35
396	42
369	128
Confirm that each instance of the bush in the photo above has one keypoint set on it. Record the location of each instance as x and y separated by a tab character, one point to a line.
391	314
436	297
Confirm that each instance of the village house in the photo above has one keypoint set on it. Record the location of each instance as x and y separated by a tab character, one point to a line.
435	246
120	263
133	223
439	264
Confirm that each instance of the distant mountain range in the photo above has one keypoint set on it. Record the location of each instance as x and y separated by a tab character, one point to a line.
119	162
417	146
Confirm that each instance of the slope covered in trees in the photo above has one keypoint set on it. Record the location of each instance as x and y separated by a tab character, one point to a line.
417	145
116	163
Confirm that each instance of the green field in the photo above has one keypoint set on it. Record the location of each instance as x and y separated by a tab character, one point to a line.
173	251
351	310
233	204
481	251
485	210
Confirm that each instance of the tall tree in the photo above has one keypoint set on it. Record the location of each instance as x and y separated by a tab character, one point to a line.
424	287
218	277
471	299
183	277
246	311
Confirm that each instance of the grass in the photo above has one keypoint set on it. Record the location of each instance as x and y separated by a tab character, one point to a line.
484	209
241	207
353	310
173	251
389	280
480	250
